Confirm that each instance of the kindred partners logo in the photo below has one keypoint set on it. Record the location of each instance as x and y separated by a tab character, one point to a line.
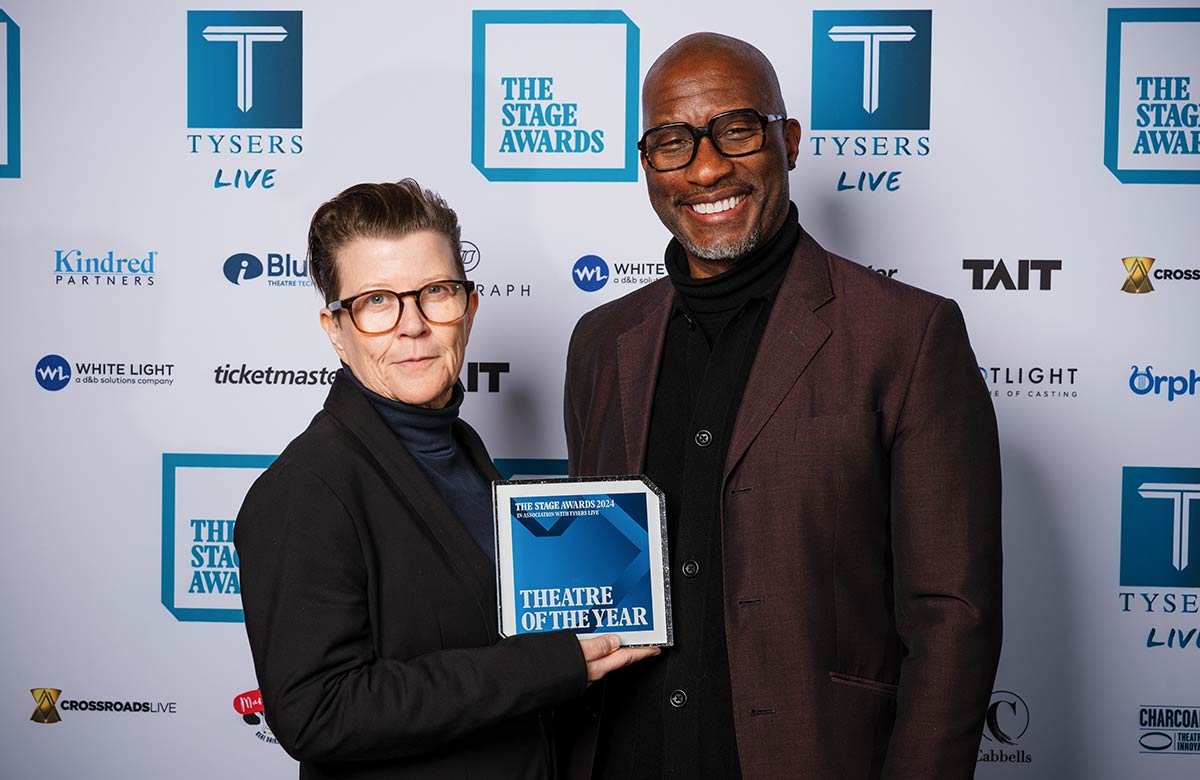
49	705
554	95
502	287
280	270
1169	729
250	706
1140	275
54	372
10	97
1152	113
105	269
870	91
245	72
1160	554
591	272
1006	722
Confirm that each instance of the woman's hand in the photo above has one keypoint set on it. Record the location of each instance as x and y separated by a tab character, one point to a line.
605	654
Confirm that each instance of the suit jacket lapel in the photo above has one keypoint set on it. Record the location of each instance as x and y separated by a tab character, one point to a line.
639	353
793	335
351	408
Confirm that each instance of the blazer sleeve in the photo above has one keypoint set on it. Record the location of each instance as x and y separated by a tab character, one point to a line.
946	546
328	696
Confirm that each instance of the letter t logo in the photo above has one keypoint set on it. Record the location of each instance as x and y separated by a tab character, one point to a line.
245	38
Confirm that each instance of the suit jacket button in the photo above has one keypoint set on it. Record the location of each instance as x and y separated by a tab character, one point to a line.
678	698
704	438
690	568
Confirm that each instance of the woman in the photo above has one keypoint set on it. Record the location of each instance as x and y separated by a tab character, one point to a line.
366	549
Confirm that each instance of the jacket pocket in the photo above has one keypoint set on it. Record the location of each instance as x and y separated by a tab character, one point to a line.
887	689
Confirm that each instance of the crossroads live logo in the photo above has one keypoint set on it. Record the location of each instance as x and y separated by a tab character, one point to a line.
870	94
1160	555
49	704
1152	107
245	75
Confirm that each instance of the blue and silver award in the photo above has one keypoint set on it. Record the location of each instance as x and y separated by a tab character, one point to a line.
586	555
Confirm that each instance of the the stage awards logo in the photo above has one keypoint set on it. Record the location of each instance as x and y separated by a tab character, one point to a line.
554	95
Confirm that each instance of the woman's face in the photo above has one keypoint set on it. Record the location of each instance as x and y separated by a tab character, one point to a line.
418	361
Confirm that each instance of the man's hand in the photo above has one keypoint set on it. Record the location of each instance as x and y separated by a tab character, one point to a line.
605	654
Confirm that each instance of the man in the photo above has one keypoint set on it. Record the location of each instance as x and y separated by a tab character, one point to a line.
829	456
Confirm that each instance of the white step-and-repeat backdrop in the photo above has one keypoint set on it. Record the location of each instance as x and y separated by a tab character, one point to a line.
159	161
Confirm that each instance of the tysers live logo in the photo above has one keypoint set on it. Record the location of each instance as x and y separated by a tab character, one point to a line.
245	72
592	272
10	98
1152	107
870	83
1160	553
201	495
279	270
554	95
1006	723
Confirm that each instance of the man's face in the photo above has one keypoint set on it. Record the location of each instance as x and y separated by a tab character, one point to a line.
720	208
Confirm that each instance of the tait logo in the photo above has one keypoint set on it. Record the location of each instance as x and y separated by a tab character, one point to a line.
10	98
53	372
280	269
590	273
988	274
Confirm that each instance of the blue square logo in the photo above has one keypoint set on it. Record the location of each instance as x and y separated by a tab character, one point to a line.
554	95
10	98
245	69
1160	527
871	70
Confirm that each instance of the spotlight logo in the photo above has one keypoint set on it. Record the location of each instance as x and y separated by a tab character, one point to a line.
1151	101
870	77
280	269
1006	723
554	95
201	496
250	706
46	711
10	98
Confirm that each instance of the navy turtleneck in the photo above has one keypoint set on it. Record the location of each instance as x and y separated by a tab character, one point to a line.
428	435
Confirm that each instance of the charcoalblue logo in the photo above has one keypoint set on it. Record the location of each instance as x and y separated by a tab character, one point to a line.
1139	271
1169	729
871	72
50	705
10	97
1160	553
106	269
1152	109
280	270
1145	381
592	272
554	95
491	288
1006	722
245	71
54	372
1031	381
201	497
250	706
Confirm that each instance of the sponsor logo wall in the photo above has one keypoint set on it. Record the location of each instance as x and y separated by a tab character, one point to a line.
1035	161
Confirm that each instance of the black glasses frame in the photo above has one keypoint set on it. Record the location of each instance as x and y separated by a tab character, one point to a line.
345	304
700	132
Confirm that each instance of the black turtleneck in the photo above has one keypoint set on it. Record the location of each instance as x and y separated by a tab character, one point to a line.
428	435
672	716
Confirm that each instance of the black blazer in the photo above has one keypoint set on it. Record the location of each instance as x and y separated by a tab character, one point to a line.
371	614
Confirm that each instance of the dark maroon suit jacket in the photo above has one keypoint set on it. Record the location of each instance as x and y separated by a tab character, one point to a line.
860	519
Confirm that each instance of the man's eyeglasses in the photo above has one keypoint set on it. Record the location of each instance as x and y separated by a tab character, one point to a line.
735	133
378	311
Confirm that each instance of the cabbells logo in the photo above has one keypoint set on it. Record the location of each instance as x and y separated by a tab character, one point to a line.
107	269
250	706
1152	109
870	72
245	71
10	98
1006	723
591	273
54	372
1146	382
280	269
554	95
201	497
1160	553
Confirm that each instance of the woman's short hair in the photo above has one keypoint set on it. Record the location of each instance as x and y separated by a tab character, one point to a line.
385	210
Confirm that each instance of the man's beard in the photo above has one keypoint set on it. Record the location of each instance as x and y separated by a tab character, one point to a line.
724	252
